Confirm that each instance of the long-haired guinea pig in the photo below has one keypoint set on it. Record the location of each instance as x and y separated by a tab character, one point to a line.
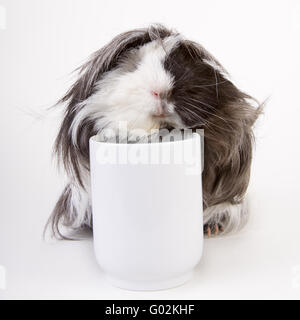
155	78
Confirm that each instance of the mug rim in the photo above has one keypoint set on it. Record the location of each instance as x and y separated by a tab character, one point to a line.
194	135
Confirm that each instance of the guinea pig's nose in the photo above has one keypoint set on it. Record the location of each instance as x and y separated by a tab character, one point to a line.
161	109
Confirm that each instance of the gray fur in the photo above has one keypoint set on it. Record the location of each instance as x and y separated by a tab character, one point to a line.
204	97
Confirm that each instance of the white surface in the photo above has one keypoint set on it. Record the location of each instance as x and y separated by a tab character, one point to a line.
142	239
257	41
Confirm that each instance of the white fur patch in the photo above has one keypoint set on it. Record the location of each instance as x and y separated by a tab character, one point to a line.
79	207
235	215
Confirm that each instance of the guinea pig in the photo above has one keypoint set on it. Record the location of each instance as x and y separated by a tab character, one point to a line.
155	78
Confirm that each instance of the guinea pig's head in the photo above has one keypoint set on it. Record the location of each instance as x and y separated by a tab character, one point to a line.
169	82
139	89
160	81
149	78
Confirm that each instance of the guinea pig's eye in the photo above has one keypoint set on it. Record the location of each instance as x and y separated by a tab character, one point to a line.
155	93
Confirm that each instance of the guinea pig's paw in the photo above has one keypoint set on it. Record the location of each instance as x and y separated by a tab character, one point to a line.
213	229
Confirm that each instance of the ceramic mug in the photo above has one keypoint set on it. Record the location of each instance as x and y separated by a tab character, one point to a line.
147	211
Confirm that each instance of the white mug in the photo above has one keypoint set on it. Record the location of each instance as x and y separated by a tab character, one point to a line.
147	211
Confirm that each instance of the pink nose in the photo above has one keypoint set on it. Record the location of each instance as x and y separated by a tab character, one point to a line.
161	109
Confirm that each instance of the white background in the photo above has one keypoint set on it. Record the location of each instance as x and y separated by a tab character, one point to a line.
41	42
